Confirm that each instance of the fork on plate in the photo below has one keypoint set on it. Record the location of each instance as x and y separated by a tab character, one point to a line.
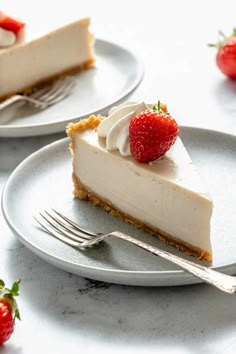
72	234
45	97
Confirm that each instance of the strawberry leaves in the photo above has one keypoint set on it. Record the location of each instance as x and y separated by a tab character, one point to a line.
9	295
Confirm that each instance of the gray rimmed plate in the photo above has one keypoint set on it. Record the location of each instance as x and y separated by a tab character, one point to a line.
43	180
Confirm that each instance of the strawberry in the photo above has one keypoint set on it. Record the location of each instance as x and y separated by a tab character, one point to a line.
226	54
152	133
8	310
10	24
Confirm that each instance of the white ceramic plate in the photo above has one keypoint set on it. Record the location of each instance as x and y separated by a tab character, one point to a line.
116	74
43	180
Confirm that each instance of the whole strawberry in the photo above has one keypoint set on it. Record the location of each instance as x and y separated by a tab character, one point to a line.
226	54
152	133
8	310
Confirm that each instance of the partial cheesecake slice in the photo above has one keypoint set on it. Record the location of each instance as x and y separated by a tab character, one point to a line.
166	197
40	58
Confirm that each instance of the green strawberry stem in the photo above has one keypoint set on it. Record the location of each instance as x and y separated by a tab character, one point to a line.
222	38
9	296
158	108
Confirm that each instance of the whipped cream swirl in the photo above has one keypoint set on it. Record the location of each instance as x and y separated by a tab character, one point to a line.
7	38
115	128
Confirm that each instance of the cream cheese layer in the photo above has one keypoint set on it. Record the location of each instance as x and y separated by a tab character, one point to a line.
167	194
25	64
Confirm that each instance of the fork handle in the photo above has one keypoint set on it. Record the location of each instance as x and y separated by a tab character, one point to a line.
9	101
219	280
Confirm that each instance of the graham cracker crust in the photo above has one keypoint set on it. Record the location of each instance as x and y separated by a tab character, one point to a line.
44	82
83	193
89	123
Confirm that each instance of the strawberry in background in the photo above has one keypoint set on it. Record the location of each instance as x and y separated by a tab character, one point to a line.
226	54
8	310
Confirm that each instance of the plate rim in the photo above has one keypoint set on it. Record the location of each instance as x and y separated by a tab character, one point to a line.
180	275
25	130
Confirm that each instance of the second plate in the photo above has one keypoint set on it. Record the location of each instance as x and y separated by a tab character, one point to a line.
117	72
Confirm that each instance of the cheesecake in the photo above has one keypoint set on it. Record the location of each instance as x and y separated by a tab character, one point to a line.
31	57
165	197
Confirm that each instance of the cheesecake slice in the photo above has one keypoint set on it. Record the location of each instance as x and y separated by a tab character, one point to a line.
165	197
36	57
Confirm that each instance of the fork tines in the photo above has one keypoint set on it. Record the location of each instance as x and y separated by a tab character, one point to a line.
63	228
57	91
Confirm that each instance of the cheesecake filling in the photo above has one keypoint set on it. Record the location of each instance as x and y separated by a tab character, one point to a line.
26	64
166	196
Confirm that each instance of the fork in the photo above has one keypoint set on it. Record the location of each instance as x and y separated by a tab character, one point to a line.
69	232
44	97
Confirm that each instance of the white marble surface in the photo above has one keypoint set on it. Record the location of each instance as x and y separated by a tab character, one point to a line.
65	313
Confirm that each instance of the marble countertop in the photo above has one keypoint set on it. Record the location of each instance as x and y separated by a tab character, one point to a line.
64	313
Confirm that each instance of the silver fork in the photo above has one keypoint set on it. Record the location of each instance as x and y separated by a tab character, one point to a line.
44	97
72	234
